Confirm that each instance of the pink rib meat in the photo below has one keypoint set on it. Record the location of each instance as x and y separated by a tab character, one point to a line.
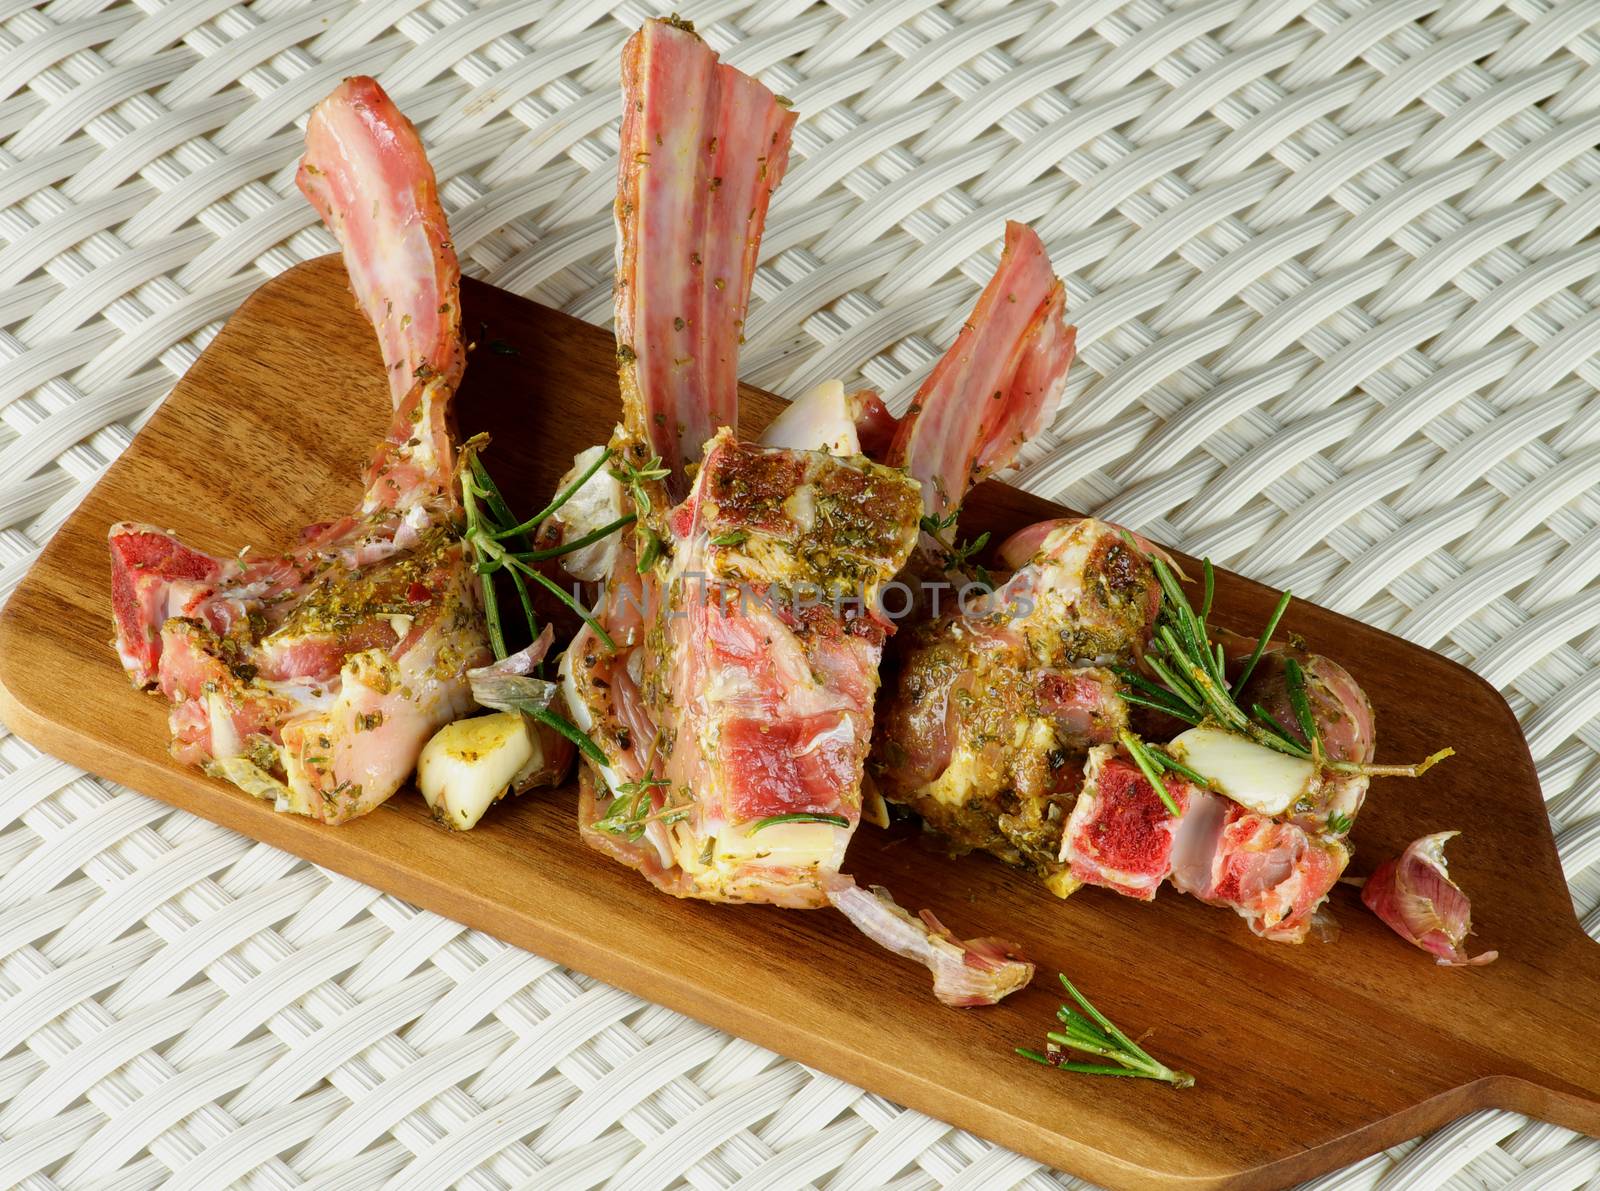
703	148
997	385
365	173
315	675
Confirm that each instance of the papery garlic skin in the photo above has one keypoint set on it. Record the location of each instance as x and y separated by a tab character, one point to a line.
966	972
1416	898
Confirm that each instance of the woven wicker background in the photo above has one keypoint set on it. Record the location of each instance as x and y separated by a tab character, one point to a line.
1334	268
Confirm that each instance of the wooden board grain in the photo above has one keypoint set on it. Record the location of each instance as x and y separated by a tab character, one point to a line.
1307	1057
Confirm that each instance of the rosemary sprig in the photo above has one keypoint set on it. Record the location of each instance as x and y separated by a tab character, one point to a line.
1092	1032
516	564
1261	642
491	528
1193	685
588	539
500	542
487	489
556	502
565	727
1151	763
531	696
1295	678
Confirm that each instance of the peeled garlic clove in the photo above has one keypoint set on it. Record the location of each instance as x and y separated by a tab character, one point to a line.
1250	774
471	763
821	420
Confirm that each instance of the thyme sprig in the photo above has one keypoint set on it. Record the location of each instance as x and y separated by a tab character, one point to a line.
958	556
1092	1032
1193	684
637	481
631	809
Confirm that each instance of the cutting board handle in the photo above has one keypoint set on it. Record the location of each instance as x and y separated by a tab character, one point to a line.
1559	1045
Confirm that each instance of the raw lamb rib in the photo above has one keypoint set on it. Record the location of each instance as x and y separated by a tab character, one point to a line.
1002	731
313	677
731	672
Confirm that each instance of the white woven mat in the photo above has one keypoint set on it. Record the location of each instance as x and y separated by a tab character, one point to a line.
1333	265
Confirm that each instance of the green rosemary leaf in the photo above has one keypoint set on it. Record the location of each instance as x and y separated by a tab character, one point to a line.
560	724
1180	688
1151	770
1177	610
555	589
491	614
1081	1068
1339	823
1168	761
471	492
499	510
1101	1019
1088	1045
797	817
1261	644
1175	710
1192	672
1140	683
1295	678
1091	1032
1084	1033
588	539
1275	728
560	499
526	600
489	557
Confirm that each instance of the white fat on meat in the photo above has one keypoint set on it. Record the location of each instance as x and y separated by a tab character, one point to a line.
578	712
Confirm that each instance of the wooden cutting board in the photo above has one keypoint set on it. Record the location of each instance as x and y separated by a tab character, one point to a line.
1306	1057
